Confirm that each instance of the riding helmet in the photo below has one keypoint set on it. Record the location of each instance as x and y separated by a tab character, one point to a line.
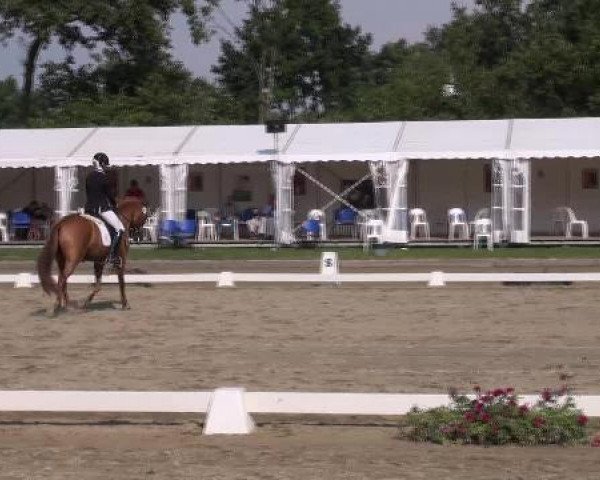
102	159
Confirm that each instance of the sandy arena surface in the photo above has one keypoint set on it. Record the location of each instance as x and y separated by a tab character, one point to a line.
304	338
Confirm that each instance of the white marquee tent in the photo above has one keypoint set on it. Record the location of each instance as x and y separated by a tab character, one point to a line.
512	146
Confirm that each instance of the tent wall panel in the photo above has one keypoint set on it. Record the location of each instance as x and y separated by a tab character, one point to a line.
205	193
332	175
442	184
558	182
20	186
584	201
246	185
549	190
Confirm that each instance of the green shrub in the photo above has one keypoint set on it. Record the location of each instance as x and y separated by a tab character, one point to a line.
497	418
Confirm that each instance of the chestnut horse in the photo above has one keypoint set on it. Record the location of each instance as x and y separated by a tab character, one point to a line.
75	239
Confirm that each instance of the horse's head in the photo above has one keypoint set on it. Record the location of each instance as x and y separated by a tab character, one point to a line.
133	211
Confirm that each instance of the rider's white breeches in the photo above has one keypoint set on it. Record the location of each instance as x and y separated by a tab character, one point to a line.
111	218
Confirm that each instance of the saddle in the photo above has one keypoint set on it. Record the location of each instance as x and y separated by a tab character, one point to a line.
107	232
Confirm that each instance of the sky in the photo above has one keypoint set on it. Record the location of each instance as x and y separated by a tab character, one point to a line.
386	20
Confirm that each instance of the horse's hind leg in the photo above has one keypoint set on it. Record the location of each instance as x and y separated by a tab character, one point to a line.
98	269
120	275
61	284
69	267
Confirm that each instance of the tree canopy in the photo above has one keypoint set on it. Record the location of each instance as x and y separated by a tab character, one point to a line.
133	33
297	53
501	58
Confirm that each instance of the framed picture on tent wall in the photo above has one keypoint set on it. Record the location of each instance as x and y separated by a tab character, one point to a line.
242	191
196	182
589	179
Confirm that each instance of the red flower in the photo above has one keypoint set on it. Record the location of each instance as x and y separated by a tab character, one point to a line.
498	392
479	407
546	395
510	390
582	420
595	441
538	422
523	409
485	417
470	417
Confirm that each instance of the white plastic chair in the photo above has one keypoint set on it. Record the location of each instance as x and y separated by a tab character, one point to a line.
231	224
319	216
565	217
483	231
373	232
150	228
418	221
482	214
457	223
267	227
3	227
207	230
364	217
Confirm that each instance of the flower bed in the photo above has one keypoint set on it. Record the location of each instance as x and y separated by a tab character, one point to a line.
496	417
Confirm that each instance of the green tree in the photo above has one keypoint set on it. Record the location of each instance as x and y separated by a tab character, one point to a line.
293	54
135	31
167	96
9	103
409	88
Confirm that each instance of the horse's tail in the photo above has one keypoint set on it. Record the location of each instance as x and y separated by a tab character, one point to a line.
44	263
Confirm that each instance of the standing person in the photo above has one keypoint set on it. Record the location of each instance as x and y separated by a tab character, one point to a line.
101	202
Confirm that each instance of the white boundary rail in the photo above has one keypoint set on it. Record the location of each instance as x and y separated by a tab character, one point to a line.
218	404
432	279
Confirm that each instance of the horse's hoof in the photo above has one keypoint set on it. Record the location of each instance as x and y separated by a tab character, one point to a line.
126	306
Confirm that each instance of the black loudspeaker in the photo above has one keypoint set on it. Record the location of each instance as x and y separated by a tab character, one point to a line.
275	125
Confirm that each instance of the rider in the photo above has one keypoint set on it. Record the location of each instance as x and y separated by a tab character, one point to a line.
101	202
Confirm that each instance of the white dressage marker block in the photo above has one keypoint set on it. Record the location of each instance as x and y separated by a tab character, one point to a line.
227	414
23	280
436	279
330	266
225	279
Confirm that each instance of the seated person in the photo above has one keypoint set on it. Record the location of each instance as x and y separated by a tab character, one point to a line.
311	227
134	190
268	209
31	208
44	212
253	223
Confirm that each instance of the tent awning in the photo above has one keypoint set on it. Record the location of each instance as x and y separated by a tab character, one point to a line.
224	144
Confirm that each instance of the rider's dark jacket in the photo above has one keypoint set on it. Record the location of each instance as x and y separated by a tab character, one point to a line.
98	193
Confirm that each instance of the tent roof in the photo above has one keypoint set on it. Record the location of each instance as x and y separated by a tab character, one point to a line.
559	138
227	144
465	139
454	139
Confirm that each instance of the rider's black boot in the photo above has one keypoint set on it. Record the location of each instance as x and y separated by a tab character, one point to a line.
114	258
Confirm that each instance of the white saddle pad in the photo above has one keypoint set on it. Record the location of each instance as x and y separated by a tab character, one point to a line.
101	226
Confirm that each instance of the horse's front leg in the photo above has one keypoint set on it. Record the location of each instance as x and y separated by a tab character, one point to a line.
98	269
